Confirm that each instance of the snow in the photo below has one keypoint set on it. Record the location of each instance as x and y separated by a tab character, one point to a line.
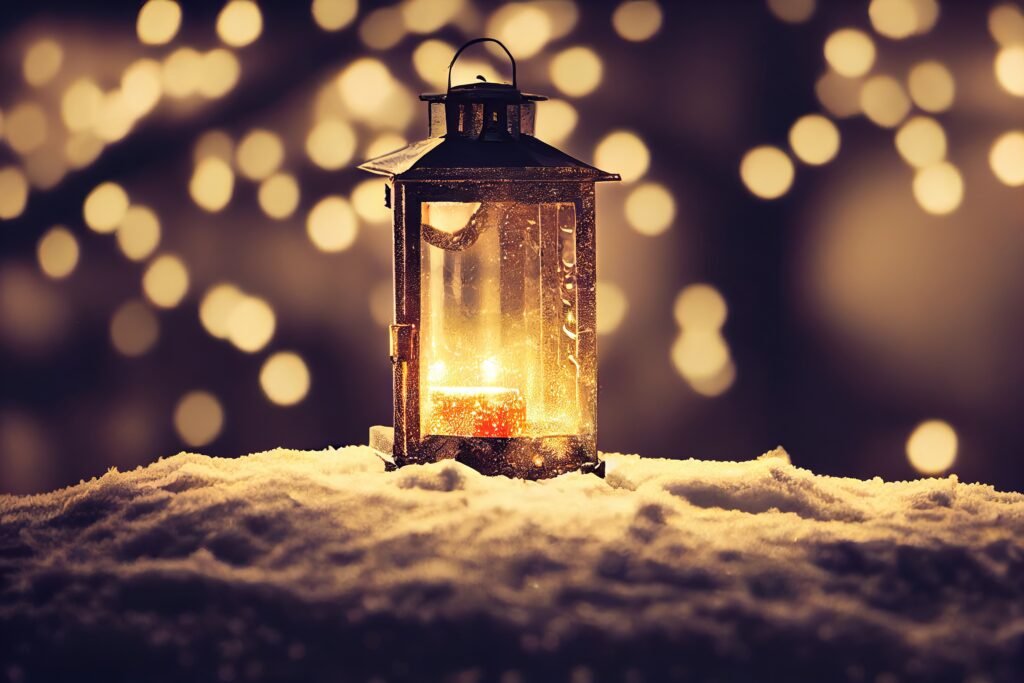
320	566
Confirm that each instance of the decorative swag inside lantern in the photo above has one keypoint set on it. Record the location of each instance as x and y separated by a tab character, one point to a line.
494	345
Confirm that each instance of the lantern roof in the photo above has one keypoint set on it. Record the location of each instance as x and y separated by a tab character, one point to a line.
455	157
482	131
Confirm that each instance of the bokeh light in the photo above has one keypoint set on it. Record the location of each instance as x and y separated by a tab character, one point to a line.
839	94
1009	67
26	127
365	86
792	11
430	59
182	73
220	71
141	86
650	209
767	172
1006	24
134	329
932	447
622	152
939	188
138	235
158	22
212	184
368	201
216	307
105	207
382	28
700	306
81	149
556	120
166	281
611	307
251	324
522	27
279	195
899	19
214	143
814	139
850	52
576	71
239	23
883	101
931	86
42	62
198	418
700	354
331	144
637	20
921	141
13	192
259	154
284	378
1007	158
331	224
427	16
334	15
57	252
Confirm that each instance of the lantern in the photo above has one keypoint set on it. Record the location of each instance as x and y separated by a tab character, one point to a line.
493	344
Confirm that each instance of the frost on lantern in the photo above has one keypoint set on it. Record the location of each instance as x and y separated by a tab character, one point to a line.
493	343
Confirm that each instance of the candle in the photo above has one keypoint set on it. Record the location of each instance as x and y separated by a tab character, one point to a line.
476	411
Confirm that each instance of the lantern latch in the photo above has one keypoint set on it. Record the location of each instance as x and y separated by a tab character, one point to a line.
402	337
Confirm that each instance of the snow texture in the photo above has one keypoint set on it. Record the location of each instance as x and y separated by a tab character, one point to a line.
319	566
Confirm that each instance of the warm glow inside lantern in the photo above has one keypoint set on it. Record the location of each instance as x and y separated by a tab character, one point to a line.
494	343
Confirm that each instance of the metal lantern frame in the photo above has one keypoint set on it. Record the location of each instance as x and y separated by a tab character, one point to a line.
487	153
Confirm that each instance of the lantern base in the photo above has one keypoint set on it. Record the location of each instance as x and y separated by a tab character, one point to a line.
521	457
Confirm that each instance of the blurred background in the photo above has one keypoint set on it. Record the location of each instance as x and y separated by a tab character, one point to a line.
818	241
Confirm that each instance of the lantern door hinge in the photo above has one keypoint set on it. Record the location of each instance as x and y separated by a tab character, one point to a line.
403	336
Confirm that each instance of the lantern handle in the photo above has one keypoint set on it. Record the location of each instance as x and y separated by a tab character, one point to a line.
482	40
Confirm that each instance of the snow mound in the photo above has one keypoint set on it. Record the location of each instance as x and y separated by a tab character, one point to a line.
320	566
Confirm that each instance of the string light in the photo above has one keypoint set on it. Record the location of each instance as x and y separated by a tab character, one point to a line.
13	192
767	172
279	196
650	209
1007	158
198	418
239	23
166	281
637	20
212	184
576	71
105	207
57	253
814	139
932	447
624	151
138	235
158	22
850	52
284	378
331	224
42	62
334	15
134	329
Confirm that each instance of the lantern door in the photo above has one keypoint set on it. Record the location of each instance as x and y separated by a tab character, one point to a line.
499	287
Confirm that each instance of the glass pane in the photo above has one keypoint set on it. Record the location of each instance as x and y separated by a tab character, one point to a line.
498	353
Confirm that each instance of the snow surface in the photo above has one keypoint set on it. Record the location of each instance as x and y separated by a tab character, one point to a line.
320	566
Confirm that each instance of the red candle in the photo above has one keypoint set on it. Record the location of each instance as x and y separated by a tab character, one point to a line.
476	411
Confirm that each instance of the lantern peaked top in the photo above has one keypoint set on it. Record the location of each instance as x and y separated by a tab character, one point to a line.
483	131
